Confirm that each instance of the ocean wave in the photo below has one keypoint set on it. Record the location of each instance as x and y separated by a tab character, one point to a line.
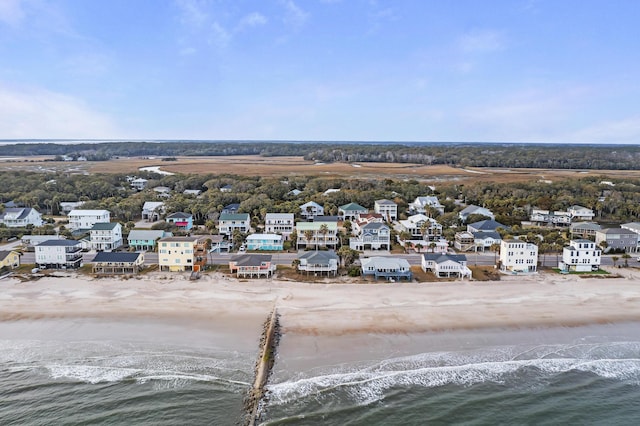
501	365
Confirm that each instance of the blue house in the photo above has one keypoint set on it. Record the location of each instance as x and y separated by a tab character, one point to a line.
181	220
264	242
145	239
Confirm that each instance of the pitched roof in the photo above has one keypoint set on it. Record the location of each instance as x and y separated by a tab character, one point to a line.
586	225
487	234
487	225
385	202
104	256
179	215
59	243
319	257
441	258
352	207
386	262
17	212
234	216
104	226
5	253
251	259
83	212
146	234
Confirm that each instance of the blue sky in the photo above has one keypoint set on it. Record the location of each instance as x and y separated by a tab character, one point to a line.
396	70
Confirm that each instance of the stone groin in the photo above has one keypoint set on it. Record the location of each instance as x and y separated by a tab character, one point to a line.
255	400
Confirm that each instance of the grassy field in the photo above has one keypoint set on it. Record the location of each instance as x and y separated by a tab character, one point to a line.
253	165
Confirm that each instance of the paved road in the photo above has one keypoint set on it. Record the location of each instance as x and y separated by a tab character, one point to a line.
482	259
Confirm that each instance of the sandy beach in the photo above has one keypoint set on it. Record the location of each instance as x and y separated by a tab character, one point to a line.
329	309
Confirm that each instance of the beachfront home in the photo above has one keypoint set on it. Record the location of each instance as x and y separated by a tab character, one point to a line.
618	239
181	220
486	225
20	217
476	241
584	229
177	254
85	219
517	256
424	205
371	236
389	268
279	223
146	239
264	242
475	210
311	209
446	265
317	234
387	208
229	222
351	211
105	263
152	210
106	236
59	254
9	259
580	256
631	226
319	262
420	227
252	265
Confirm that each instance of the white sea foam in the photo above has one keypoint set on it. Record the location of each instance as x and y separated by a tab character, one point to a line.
497	365
91	374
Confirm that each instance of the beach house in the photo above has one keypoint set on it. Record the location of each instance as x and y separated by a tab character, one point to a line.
319	262
9	259
517	256
105	263
351	211
446	265
475	210
85	219
138	183
177	254
279	223
387	208
180	220
20	217
581	256
152	210
317	234
371	236
146	239
106	236
252	265
424	205
581	213
421	228
229	222
59	254
311	209
388	268
584	229
618	239
272	242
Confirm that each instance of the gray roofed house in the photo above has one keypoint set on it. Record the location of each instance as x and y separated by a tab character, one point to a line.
618	239
473	209
486	225
105	263
446	265
319	262
373	236
584	229
252	265
389	268
20	217
145	239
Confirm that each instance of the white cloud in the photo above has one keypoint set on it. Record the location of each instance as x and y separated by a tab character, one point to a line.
11	12
37	113
482	41
294	15
193	12
254	19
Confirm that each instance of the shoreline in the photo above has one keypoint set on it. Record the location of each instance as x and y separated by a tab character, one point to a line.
544	300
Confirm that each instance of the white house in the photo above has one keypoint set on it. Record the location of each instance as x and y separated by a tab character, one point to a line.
106	236
476	241
473	209
422	205
446	265
581	256
387	208
139	183
279	223
421	227
319	262
581	213
59	254
152	210
372	236
351	211
229	222
67	206
20	217
85	219
550	218
518	256
311	209
317	234
389	268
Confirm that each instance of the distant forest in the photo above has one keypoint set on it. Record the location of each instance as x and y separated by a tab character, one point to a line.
553	156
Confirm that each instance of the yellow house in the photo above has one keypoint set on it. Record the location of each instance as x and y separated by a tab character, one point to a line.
9	259
177	254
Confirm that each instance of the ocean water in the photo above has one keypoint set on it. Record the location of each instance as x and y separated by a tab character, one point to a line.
76	372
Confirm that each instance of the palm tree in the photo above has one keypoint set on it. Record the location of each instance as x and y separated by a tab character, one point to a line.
432	246
308	235
615	259
495	248
418	247
324	230
626	258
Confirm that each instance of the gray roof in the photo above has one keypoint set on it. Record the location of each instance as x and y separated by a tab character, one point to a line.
104	256
487	234
586	225
617	231
146	234
234	216
385	202
59	243
440	258
23	211
487	225
375	225
251	259
179	215
319	257
4	254
104	226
